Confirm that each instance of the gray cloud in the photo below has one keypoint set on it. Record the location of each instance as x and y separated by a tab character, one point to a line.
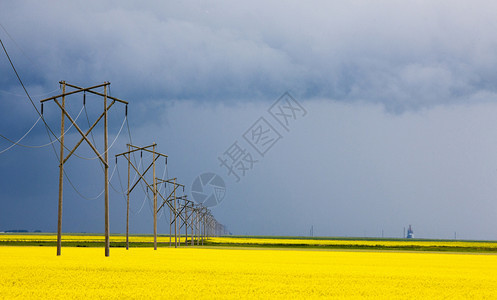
401	55
198	75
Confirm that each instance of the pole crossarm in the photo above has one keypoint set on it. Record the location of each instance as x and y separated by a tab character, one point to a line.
142	178
127	156
136	148
97	93
80	89
84	135
171	181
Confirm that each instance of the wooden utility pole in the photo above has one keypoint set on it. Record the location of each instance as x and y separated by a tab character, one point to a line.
84	138
182	217
127	199
191	223
106	171
204	211
197	224
175	218
185	207
173	207
155	201
152	187
61	171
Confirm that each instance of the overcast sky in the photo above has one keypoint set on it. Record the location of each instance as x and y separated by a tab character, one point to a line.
396	121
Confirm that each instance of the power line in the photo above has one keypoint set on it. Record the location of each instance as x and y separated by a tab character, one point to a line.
17	143
81	194
38	95
24	88
206	223
48	129
39	146
20	48
104	160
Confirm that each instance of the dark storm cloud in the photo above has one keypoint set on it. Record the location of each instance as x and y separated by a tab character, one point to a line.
198	74
401	55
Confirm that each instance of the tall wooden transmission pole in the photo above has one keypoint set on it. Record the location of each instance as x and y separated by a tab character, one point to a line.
142	178
84	138
155	199
61	172
127	198
106	175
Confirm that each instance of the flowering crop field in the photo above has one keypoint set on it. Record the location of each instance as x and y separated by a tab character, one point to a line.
404	243
144	240
36	272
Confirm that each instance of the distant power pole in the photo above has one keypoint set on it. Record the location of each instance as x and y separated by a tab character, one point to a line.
174	208
142	178
84	138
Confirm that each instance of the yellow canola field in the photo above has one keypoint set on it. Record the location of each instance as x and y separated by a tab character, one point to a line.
399	243
36	272
255	241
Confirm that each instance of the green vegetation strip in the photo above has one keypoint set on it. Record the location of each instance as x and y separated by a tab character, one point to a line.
359	247
253	242
81	244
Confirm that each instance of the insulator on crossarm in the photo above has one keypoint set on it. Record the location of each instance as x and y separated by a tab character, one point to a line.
84	98
126	111
42	109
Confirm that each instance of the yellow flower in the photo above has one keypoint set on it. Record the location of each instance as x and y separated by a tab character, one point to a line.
36	272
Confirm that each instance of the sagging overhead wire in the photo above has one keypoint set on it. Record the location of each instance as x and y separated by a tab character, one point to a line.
108	148
38	95
83	196
112	175
66	175
14	143
160	188
120	182
47	127
122	189
17	143
26	91
17	45
134	159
